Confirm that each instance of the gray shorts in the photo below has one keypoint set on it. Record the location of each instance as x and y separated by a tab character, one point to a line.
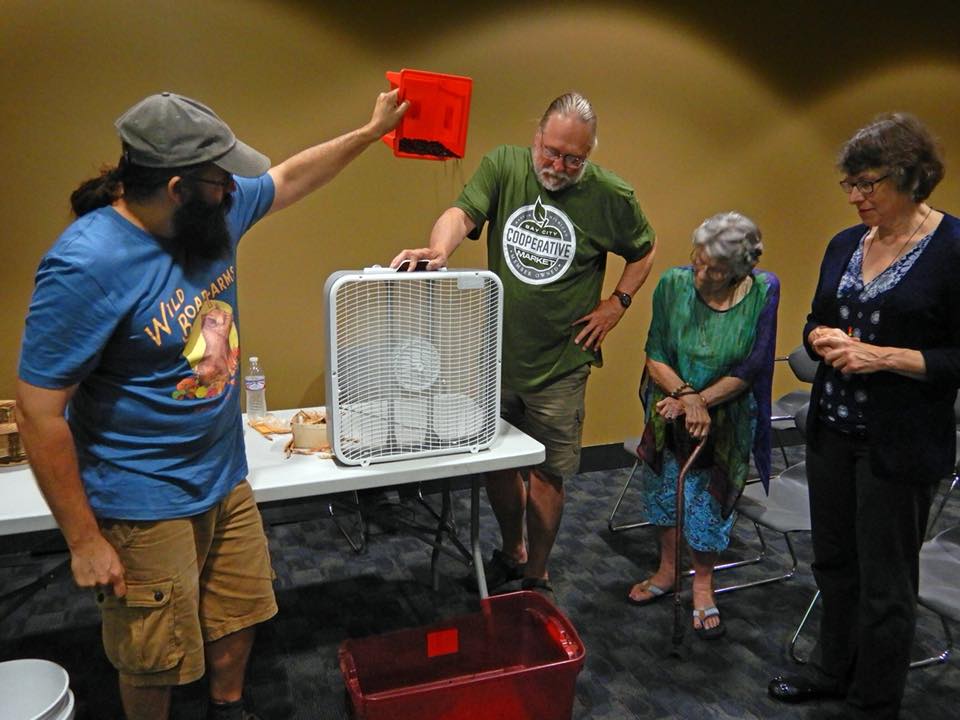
553	416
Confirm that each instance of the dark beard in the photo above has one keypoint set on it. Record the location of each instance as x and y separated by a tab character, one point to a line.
200	228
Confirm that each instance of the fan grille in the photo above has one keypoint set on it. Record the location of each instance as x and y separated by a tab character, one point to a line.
414	363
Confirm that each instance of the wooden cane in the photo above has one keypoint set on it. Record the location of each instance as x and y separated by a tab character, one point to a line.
679	625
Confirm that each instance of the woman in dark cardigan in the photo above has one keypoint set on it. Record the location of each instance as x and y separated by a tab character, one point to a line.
885	321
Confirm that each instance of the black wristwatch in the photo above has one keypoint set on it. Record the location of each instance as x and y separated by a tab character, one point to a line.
624	298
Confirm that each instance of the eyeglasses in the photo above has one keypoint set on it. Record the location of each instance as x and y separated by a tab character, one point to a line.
573	162
225	185
864	187
714	270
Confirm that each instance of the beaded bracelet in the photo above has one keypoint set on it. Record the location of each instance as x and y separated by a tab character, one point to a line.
676	393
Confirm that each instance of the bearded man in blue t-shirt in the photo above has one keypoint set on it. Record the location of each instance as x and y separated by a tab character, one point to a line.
128	395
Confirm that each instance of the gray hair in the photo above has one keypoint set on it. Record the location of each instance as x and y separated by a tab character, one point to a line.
575	105
731	238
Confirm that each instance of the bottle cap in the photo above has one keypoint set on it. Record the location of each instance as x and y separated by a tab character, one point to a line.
253	358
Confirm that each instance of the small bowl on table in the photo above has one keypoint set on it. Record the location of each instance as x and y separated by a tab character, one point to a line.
310	430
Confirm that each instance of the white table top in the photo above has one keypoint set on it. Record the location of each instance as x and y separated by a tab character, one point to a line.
275	477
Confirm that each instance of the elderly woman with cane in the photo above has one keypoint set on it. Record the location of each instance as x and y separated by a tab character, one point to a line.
709	371
885	321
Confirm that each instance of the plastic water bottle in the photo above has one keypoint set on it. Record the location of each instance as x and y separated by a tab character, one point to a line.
256	384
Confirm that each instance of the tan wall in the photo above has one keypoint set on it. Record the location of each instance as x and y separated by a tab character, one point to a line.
699	110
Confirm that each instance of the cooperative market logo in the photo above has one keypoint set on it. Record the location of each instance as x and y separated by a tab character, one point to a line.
538	243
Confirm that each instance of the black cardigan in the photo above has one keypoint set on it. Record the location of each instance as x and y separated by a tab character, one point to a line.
911	426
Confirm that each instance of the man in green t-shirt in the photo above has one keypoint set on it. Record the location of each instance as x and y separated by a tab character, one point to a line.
553	219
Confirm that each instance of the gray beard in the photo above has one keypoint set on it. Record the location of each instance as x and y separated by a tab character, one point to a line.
555	182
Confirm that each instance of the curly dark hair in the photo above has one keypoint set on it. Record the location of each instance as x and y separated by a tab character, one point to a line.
903	145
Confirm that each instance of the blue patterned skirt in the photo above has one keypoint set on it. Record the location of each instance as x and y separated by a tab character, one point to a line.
704	528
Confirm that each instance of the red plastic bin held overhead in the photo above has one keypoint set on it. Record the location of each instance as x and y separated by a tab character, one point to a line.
517	659
435	125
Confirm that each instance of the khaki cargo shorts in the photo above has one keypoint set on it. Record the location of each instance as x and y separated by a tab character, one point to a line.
553	416
189	581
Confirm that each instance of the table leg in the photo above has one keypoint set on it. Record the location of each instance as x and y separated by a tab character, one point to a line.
443	521
475	537
360	544
446	523
12	599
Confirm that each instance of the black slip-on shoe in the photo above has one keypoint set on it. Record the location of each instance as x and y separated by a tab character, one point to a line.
500	570
797	689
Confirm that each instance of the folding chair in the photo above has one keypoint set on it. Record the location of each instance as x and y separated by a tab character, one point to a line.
939	593
783	415
927	566
630	445
786	510
939	590
954	479
785	408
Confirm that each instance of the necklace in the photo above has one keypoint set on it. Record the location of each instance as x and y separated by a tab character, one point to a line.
729	297
903	245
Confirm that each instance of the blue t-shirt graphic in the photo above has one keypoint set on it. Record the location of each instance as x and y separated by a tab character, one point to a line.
152	344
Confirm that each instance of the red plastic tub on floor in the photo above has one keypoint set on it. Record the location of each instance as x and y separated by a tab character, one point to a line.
516	659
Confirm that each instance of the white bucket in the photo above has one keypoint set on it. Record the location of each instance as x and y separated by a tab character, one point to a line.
68	710
32	689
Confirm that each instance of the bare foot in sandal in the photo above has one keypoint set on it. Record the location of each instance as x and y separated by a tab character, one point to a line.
653	588
706	618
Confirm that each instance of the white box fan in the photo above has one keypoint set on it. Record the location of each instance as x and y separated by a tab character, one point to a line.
413	363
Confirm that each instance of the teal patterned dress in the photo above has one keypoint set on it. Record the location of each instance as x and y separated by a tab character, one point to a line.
702	345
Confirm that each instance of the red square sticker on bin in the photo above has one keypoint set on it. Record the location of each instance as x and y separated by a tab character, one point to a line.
443	642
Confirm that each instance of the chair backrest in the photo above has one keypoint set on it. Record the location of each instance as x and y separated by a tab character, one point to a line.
939	568
787	506
803	367
800	419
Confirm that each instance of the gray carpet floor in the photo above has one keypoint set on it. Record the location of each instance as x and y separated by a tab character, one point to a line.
328	593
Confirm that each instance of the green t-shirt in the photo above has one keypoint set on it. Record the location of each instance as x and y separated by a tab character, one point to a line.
550	251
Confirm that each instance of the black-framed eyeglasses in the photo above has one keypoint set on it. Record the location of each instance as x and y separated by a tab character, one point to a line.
225	185
864	187
573	162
